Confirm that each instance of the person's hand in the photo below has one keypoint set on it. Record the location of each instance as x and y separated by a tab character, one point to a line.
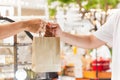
34	25
53	30
58	30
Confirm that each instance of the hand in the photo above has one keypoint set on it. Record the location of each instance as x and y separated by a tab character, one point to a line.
58	31
50	30
53	30
35	25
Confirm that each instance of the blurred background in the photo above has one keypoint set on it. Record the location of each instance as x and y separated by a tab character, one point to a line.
77	17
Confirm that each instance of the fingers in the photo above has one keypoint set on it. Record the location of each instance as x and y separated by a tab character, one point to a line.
50	30
42	27
38	25
35	25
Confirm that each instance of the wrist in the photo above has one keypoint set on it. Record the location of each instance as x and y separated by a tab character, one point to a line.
20	25
61	34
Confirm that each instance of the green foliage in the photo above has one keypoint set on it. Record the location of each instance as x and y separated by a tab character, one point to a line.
101	4
91	4
66	1
109	3
52	12
50	1
110	51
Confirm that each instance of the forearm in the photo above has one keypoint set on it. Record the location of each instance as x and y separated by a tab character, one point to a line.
10	29
83	41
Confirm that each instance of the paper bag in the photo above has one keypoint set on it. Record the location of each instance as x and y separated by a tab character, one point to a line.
46	54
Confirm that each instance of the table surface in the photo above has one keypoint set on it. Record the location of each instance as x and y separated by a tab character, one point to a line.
101	75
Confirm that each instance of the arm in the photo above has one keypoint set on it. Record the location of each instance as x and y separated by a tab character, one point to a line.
90	41
10	29
83	41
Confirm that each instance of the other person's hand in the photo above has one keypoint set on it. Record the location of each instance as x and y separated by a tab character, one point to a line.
52	30
34	25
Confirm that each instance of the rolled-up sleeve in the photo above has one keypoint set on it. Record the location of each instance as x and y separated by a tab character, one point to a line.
105	33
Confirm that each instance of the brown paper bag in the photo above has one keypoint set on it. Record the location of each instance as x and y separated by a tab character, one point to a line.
46	54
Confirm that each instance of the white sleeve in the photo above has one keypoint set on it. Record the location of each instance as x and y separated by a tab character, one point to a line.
105	33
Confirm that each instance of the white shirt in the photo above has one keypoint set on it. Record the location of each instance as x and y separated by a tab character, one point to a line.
110	33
